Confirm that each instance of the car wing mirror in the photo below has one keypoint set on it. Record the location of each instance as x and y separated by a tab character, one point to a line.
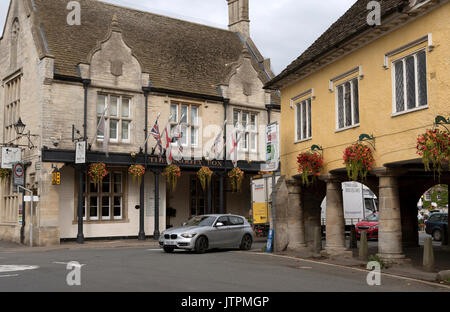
219	224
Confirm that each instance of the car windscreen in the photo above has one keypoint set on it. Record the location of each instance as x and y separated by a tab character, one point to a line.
201	221
372	217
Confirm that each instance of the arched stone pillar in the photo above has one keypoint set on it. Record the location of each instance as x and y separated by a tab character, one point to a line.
296	223
390	247
335	222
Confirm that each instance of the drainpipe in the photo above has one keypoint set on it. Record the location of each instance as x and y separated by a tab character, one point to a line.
142	191
80	235
222	176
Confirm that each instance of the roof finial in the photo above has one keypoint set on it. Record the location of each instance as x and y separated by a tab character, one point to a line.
245	52
115	26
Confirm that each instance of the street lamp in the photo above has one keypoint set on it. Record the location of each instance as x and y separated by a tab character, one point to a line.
19	127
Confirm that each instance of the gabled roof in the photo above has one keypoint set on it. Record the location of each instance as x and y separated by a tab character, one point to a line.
352	23
178	55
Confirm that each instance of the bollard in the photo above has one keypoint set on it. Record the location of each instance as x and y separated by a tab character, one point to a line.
428	254
317	241
363	247
353	240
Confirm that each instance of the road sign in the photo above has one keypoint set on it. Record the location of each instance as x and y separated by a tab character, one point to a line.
19	174
10	156
28	199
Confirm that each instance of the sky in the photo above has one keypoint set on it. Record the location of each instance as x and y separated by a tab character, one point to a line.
281	29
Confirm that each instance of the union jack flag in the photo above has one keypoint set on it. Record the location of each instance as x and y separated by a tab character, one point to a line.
157	136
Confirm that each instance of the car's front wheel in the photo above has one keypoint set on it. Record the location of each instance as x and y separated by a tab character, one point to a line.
247	242
201	245
437	235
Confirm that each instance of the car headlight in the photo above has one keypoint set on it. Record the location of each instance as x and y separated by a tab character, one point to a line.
188	235
374	227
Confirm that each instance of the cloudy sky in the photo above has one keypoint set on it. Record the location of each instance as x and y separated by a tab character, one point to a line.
282	29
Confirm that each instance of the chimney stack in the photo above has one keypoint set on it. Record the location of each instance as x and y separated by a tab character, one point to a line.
238	13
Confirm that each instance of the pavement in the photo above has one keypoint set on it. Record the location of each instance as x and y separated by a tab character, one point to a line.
411	268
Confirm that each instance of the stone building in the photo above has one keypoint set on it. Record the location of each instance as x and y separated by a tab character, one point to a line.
381	85
61	70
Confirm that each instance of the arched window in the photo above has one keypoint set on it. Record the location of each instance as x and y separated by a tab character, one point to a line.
14	43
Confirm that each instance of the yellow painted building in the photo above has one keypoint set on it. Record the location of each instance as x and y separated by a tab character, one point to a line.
389	80
373	66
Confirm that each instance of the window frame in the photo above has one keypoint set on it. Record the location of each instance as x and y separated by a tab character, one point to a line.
297	106
245	145
188	125
119	118
403	59
352	103
99	195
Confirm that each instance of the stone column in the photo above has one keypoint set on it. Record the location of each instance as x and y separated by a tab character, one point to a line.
281	239
46	211
335	222
390	225
296	223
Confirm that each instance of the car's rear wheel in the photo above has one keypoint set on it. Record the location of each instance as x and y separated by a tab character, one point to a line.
247	242
169	249
201	245
437	235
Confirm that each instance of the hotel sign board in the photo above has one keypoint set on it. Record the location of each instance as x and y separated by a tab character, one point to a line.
10	156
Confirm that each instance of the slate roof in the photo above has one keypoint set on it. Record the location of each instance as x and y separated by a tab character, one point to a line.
178	55
353	22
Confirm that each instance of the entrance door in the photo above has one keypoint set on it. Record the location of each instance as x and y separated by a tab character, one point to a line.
198	198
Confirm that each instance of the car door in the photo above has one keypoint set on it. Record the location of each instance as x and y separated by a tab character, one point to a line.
220	237
237	230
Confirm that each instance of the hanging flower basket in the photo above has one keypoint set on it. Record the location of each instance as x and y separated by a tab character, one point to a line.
236	176
4	174
309	165
172	173
358	160
137	172
434	147
97	172
204	175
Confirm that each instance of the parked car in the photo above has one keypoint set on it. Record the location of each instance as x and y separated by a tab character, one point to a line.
369	225
202	233
435	225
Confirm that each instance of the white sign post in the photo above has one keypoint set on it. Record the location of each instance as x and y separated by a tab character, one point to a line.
80	155
31	200
273	148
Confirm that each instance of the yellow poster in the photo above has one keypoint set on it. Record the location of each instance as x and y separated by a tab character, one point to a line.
260	214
